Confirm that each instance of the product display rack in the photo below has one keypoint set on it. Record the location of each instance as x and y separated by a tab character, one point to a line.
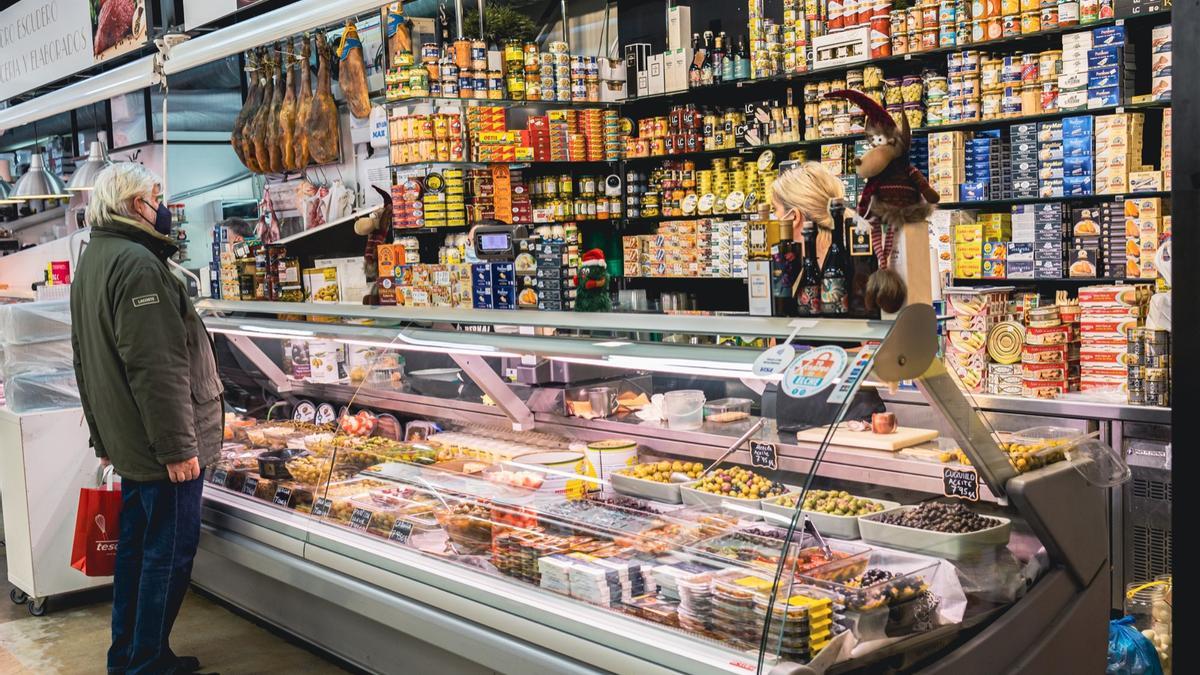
1023	41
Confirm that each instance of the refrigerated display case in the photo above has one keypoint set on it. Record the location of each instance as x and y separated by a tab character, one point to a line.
499	491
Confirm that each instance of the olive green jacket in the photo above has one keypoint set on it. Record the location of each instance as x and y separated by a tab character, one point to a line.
144	362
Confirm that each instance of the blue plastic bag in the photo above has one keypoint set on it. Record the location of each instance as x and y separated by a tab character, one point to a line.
1129	652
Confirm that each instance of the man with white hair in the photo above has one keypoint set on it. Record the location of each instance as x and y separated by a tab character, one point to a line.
152	399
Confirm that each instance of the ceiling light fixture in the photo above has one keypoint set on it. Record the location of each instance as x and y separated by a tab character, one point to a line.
84	178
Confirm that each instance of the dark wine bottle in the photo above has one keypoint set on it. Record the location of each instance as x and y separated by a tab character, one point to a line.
706	69
785	266
808	293
837	272
694	70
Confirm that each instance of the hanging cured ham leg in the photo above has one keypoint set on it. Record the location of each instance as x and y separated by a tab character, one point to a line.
287	116
323	117
352	74
303	106
257	133
237	138
273	126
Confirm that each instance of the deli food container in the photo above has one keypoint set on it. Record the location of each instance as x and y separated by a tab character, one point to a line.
828	524
940	544
727	410
273	464
747	509
646	489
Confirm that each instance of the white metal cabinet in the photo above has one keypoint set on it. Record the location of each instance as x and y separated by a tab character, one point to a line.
44	461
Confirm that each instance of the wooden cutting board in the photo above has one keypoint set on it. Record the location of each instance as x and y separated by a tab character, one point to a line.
905	437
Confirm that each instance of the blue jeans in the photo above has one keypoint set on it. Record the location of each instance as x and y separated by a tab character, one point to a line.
160	529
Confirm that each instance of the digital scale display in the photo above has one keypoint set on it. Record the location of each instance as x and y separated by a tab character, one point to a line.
494	242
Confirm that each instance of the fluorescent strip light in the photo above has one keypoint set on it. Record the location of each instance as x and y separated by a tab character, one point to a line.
612	343
667	366
292	19
290	332
122	80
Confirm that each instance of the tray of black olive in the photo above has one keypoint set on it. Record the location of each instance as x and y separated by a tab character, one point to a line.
946	530
273	463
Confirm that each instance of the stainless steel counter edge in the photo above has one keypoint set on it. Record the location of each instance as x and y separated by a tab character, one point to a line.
1094	410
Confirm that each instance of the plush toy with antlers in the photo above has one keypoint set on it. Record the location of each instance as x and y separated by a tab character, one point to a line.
896	193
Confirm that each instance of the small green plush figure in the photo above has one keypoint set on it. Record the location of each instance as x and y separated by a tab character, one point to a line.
593	283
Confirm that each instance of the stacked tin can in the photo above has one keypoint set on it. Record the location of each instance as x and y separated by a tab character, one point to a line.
1149	357
426	137
948	23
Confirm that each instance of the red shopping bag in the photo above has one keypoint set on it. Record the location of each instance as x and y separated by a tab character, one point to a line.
97	526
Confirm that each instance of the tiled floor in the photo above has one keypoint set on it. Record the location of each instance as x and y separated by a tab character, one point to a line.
73	638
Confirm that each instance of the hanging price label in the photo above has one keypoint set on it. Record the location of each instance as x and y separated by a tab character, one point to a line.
401	531
960	483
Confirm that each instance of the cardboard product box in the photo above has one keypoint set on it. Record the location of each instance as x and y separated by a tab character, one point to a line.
1111	55
1145	181
994	269
1085	263
1020	269
1108	36
679	27
1073	100
1074	186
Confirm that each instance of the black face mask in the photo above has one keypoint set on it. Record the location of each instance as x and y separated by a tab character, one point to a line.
162	218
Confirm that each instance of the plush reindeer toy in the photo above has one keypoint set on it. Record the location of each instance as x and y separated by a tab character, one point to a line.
896	193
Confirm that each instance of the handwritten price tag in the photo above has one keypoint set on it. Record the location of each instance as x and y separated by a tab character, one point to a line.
960	483
283	496
250	486
764	455
360	519
401	531
219	477
321	507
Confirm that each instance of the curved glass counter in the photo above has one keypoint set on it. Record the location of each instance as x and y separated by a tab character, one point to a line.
633	481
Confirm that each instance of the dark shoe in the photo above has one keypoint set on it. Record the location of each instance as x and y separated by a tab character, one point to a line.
186	665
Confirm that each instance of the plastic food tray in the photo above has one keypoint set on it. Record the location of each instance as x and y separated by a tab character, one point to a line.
913	575
747	509
939	544
828	524
646	489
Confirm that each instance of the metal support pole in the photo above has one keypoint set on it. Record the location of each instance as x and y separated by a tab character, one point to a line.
566	25
496	389
482	9
264	363
458	17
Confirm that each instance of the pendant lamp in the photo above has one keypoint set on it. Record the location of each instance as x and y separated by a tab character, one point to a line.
39	183
85	174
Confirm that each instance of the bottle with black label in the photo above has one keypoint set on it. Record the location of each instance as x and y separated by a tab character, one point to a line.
785	266
808	293
694	70
837	272
741	65
720	57
706	69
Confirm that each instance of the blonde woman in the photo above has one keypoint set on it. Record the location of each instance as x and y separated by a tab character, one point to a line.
802	192
152	400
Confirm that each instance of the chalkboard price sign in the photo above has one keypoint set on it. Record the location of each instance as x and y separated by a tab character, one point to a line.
219	476
401	531
250	486
360	519
764	455
321	507
960	483
282	496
